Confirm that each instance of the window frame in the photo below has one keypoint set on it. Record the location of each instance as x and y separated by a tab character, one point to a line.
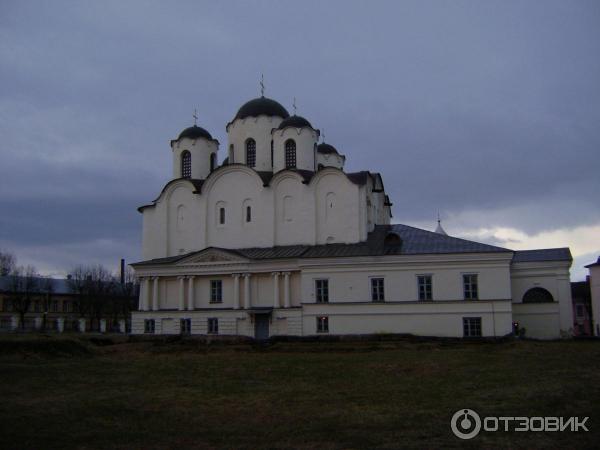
186	164
290	159
377	291
216	291
212	325
222	215
322	326
468	292
427	290
248	215
185	326
321	292
149	326
472	330
250	152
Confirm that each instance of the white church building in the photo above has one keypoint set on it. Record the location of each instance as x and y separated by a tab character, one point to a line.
281	240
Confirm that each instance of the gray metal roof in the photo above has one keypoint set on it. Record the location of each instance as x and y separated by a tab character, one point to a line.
544	254
413	241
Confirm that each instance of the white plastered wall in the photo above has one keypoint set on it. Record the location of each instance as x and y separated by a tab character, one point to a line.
305	139
554	277
258	128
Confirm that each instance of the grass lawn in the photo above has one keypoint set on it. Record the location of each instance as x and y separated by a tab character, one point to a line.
70	393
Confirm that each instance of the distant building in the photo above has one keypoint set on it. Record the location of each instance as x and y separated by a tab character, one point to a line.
54	306
281	240
582	308
595	293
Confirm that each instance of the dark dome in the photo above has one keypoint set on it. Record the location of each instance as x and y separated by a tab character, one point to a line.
294	121
326	148
194	133
261	106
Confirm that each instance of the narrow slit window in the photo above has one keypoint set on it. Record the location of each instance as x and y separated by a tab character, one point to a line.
186	164
251	153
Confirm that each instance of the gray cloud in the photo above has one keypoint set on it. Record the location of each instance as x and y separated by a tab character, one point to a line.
486	111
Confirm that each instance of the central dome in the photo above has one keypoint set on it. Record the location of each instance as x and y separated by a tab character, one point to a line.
261	106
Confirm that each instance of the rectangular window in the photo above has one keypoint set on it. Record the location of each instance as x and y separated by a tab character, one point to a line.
470	286
213	326
7	304
54	306
36	306
377	292
221	216
425	287
580	310
323	324
322	291
472	326
185	326
66	306
216	291
149	326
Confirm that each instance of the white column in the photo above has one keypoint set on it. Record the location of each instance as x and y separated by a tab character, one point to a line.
191	293
122	327
181	293
275	289
143	290
102	325
236	291
247	304
82	323
60	324
146	295
286	290
155	303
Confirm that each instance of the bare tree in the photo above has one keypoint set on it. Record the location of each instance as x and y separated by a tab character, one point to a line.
77	282
23	287
47	290
8	263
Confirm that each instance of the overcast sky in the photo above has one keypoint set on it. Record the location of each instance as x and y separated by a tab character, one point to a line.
486	111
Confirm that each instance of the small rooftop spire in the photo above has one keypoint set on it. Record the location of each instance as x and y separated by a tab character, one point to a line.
439	229
294	105
262	85
323	134
195	116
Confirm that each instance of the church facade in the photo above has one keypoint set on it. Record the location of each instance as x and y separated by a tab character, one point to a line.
280	240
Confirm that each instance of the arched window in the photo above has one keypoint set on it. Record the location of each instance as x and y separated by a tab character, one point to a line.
231	157
186	164
221	216
290	154
213	161
537	295
251	153
248	214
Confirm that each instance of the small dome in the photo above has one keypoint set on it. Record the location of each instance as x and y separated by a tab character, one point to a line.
261	106
194	132
326	149
294	121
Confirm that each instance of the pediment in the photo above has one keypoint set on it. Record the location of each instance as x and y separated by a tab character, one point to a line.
212	256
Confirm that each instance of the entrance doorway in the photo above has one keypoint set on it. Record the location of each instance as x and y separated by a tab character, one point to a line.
261	327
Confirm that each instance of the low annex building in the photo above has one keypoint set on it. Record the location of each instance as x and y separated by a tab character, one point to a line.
281	240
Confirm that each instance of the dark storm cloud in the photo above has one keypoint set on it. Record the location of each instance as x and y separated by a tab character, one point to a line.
487	111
